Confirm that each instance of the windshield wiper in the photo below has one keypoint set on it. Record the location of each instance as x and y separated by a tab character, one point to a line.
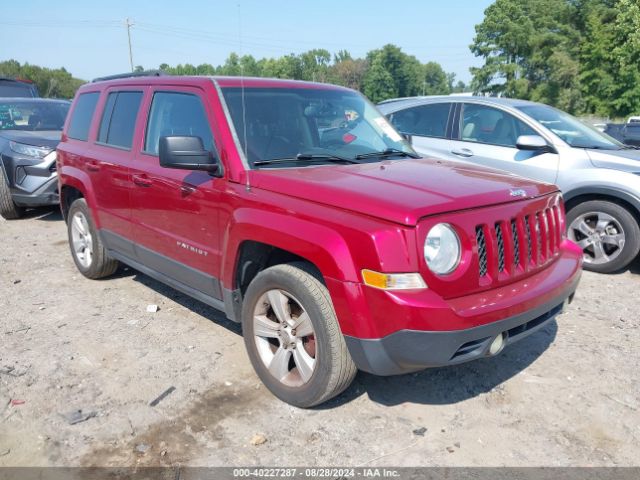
325	156
593	147
387	153
307	157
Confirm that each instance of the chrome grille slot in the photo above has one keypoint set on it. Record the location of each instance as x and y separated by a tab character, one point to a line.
500	243
528	232
538	233
516	243
482	250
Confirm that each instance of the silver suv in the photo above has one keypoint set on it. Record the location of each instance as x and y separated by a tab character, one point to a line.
599	176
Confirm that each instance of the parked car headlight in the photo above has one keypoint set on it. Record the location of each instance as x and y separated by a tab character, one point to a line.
442	249
29	150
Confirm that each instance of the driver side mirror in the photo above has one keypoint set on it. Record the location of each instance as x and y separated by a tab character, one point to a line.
533	143
186	153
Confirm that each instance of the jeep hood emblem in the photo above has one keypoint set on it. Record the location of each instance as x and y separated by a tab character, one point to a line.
518	193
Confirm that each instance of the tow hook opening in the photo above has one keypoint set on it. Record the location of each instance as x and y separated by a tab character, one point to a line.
498	344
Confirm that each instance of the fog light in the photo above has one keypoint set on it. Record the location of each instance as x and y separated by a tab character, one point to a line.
498	344
21	174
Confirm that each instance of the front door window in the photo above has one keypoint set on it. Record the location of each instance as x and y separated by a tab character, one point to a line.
483	124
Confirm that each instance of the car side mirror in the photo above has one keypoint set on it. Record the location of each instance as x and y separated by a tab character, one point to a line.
533	143
186	153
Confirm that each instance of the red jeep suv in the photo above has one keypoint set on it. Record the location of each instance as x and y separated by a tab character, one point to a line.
300	212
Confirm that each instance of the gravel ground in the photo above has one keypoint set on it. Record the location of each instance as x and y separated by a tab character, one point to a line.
566	396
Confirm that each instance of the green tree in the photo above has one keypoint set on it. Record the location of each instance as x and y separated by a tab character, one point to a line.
204	69
315	65
459	87
597	71
231	66
378	83
516	40
579	55
349	72
55	83
249	66
384	73
436	80
626	31
405	70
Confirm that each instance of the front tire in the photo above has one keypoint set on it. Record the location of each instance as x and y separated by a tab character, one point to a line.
87	249
8	209
293	338
608	234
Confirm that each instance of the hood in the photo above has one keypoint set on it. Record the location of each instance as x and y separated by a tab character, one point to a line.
44	138
400	191
625	160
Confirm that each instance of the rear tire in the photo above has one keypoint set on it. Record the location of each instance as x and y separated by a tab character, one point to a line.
299	340
87	249
8	209
607	232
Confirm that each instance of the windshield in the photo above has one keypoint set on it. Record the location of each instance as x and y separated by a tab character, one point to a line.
33	115
303	124
570	129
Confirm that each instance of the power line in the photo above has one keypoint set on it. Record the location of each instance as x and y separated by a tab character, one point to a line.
259	41
62	23
129	25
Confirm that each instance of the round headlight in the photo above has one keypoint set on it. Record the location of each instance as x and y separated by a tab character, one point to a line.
442	249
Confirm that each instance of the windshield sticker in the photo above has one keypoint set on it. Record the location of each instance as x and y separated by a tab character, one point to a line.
387	129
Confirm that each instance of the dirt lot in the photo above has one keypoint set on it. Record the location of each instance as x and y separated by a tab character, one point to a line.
568	395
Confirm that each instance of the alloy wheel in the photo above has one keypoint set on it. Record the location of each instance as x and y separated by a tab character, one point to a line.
284	337
82	241
600	236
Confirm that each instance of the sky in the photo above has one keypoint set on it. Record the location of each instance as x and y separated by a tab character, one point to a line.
90	39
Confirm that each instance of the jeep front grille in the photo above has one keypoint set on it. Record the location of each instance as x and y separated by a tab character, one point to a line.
538	233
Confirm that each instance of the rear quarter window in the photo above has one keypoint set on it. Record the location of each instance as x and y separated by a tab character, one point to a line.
81	116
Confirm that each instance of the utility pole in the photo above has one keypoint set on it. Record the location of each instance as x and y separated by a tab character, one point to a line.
129	25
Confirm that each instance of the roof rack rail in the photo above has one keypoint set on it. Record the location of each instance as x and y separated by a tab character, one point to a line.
145	73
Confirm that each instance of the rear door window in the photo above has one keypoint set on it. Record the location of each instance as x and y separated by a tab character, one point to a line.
119	119
175	113
82	114
424	121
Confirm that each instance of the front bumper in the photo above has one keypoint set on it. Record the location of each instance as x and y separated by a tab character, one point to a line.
391	333
45	194
32	182
411	350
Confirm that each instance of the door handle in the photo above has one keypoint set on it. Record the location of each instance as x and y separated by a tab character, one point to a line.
463	152
93	166
142	180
